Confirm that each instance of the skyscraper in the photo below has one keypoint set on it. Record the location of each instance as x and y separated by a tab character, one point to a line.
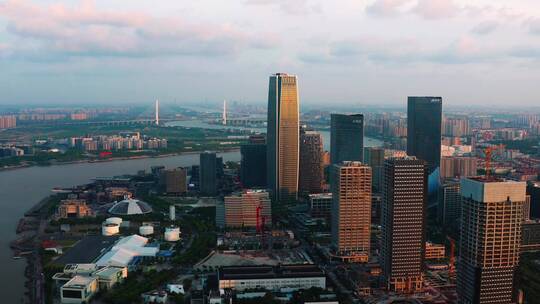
346	137
311	170
374	157
490	240
208	173
253	163
424	115
283	137
449	204
403	223
351	210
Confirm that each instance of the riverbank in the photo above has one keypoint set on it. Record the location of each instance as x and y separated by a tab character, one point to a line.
119	158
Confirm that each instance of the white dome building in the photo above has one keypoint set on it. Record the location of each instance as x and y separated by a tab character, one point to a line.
130	207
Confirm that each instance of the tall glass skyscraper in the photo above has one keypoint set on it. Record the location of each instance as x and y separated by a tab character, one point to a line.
346	138
283	137
424	119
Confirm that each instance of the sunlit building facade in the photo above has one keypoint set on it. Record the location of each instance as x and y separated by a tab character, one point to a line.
283	137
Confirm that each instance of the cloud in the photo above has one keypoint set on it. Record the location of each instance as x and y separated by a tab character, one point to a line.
386	8
293	7
464	50
485	27
436	9
533	25
84	30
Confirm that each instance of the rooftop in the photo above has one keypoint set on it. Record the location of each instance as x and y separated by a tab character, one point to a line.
79	282
261	272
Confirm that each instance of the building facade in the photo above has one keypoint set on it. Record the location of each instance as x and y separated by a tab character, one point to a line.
274	278
346	138
403	223
351	210
241	209
253	163
283	137
374	157
449	204
424	116
208	172
458	166
8	121
311	176
490	240
320	205
175	180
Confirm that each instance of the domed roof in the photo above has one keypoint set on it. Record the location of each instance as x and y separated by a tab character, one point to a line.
130	207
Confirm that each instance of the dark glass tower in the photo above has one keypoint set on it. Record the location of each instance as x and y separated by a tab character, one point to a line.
253	165
424	117
208	174
346	138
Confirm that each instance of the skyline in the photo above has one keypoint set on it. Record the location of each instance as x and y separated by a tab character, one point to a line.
470	52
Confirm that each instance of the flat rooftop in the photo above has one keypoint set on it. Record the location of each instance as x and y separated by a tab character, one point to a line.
87	250
79	282
264	272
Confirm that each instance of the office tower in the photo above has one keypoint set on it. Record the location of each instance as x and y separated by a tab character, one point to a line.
527	209
283	137
351	210
490	239
157	112
533	189
424	130
403	223
346	137
208	174
311	175
458	166
449	204
175	180
253	163
374	157
241	209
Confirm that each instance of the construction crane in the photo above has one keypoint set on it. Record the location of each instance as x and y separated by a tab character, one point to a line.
489	151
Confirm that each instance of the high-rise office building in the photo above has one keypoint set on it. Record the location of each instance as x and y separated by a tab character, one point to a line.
208	173
424	116
175	180
490	240
533	189
374	157
253	163
241	209
346	138
283	137
449	204
311	175
403	223
351	210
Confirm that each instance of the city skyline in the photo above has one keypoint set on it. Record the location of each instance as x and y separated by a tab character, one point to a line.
64	52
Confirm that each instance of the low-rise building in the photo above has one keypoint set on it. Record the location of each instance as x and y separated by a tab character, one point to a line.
80	289
274	278
73	208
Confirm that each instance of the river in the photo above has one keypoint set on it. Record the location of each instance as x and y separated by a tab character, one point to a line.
20	189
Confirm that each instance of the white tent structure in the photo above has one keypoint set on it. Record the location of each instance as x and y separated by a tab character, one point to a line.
123	252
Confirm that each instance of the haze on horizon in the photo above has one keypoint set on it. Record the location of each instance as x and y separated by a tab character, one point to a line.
345	51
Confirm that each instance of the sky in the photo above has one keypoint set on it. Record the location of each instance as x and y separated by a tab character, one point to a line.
473	52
